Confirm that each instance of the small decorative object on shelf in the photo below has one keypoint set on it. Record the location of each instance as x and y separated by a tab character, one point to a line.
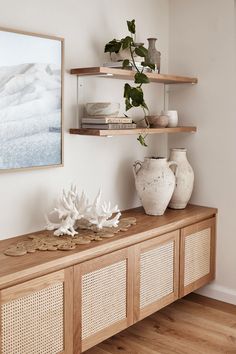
49	242
154	56
155	183
158	121
103	115
184	179
172	118
97	109
134	96
72	207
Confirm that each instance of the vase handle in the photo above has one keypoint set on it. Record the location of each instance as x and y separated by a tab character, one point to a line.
174	170
135	170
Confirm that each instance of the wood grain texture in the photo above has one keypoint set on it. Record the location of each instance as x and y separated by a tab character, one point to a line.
101	263
129	75
108	132
192	325
68	311
148	246
184	290
14	271
29	287
77	310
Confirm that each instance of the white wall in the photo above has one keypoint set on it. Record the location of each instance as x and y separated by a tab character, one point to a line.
90	162
202	43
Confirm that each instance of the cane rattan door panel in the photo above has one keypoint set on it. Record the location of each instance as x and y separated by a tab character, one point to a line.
33	316
106	289
197	260
157	263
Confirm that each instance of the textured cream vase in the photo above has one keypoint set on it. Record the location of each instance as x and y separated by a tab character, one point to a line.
155	183
184	179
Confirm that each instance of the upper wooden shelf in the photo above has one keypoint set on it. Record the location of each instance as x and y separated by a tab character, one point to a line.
97	132
129	75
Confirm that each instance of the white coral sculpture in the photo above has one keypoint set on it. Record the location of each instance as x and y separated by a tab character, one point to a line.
72	207
99	214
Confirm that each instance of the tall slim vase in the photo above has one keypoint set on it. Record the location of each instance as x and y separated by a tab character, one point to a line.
154	56
184	179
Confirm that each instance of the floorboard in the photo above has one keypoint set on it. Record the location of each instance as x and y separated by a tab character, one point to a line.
192	325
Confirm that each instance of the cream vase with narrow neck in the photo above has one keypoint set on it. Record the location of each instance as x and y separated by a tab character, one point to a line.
184	179
155	183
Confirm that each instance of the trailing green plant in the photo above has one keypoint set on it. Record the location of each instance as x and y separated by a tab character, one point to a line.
133	95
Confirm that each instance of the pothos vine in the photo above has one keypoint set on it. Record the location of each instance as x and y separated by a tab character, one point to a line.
133	95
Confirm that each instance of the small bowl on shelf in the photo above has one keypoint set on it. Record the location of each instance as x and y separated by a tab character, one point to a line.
158	121
110	109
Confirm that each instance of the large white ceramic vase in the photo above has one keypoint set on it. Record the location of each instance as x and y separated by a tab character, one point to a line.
155	183
184	179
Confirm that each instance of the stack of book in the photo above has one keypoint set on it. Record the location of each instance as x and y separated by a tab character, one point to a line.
106	122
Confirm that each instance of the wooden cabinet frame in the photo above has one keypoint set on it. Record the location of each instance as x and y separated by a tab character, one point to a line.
90	266
145	246
131	250
32	286
185	232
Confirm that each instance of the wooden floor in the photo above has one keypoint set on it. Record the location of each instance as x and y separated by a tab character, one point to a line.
192	325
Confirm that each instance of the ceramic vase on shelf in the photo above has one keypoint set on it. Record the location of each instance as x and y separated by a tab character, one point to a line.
154	56
172	118
184	179
155	183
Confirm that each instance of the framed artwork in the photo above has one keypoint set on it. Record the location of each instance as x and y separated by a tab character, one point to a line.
31	100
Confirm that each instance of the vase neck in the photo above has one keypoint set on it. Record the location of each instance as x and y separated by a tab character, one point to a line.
152	42
154	162
178	154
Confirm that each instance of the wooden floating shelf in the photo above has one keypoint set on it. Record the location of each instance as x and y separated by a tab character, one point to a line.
129	75
97	132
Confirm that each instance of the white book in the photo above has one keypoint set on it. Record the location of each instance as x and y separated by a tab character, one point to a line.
105	120
109	126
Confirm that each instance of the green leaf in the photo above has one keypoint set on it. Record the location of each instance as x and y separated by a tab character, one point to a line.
141	139
147	64
141	51
127	90
141	78
127	42
128	105
113	46
131	26
125	63
136	94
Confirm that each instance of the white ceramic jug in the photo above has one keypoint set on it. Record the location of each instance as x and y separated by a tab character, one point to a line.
155	183
184	179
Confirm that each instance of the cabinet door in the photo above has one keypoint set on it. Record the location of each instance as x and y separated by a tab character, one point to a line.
103	296
37	316
197	256
157	270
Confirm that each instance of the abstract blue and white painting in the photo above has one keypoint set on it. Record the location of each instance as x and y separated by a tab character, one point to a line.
30	101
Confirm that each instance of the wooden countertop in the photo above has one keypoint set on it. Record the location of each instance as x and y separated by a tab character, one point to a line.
17	269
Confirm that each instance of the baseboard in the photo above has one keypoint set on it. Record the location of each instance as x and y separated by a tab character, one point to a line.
218	292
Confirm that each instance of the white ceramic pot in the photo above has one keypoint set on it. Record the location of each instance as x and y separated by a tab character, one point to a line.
172	118
155	183
184	179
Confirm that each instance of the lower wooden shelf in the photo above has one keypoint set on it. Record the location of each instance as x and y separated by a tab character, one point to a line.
98	132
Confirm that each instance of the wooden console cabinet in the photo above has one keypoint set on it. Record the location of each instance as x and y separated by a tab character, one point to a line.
66	302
